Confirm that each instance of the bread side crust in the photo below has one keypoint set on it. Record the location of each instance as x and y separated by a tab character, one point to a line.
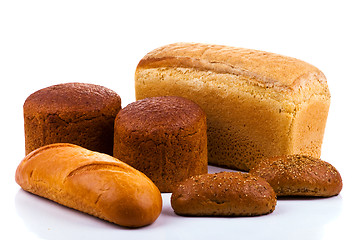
235	139
163	137
77	113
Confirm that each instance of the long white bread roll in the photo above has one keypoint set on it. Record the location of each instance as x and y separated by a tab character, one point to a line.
91	182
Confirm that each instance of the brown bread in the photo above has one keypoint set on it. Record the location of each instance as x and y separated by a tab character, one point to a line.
78	113
299	175
163	137
223	194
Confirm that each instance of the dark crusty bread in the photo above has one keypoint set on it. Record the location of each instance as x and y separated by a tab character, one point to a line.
299	175
223	194
163	137
91	182
258	104
77	113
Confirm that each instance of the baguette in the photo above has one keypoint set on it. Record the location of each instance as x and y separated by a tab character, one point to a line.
257	104
91	182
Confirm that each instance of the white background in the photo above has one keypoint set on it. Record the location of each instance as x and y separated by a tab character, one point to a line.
49	42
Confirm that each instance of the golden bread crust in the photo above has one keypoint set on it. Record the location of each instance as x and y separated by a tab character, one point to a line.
260	67
257	104
91	182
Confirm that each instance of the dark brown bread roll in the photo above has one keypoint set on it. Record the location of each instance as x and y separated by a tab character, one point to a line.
163	137
91	182
223	194
299	175
78	113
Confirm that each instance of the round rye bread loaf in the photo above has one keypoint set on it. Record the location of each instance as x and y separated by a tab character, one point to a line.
77	113
163	137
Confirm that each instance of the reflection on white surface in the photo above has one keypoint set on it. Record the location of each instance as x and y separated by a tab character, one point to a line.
293	218
50	220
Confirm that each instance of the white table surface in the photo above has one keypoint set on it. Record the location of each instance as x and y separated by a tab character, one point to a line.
48	42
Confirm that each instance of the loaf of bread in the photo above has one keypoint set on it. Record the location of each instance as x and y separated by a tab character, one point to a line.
223	194
163	137
299	175
91	182
78	113
258	104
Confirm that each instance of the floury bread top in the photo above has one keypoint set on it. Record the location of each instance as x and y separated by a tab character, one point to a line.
270	71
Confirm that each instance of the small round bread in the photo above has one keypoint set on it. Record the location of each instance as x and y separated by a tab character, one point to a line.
163	137
78	113
224	194
299	175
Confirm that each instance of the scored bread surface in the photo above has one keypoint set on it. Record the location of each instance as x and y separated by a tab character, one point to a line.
91	182
258	104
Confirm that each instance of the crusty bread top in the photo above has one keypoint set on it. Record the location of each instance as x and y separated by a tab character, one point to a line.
299	175
82	160
265	69
219	186
73	97
223	194
159	113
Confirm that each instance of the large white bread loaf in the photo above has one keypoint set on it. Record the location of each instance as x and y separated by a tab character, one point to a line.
258	104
